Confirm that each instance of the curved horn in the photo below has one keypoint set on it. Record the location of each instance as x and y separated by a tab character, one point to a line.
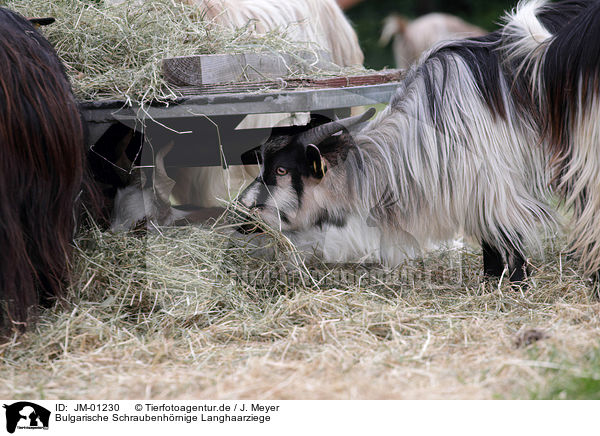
163	184
324	131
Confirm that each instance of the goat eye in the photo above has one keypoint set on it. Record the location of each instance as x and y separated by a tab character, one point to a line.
281	171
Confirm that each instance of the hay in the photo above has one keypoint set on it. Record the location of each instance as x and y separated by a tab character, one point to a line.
193	313
113	51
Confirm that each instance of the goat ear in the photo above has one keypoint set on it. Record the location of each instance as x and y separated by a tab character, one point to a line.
124	166
316	165
252	157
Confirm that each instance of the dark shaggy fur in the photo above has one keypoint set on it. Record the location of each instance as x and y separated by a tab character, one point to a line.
570	78
569	59
41	171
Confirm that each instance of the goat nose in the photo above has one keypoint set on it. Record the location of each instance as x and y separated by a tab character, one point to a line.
248	204
249	196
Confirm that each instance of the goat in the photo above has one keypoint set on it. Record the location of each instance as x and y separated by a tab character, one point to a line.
41	171
318	22
140	202
412	38
474	140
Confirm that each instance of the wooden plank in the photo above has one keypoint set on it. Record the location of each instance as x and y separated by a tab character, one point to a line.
204	104
377	78
246	67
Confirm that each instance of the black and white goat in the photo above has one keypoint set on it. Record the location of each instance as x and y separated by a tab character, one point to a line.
471	142
320	23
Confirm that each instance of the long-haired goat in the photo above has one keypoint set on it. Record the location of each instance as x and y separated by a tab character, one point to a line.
318	22
41	170
412	38
471	142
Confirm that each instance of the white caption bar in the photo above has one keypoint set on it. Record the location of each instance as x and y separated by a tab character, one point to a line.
308	418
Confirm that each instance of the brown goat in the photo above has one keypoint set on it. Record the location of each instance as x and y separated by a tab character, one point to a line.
413	38
41	171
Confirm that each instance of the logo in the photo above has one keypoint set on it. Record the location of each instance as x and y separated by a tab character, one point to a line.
26	415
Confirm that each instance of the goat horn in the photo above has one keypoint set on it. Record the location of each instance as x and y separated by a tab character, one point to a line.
324	131
163	185
123	161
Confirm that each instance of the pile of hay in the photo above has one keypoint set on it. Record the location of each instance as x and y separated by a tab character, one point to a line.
193	313
114	51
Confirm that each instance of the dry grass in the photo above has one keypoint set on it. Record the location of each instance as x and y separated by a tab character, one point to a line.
164	316
115	50
191	313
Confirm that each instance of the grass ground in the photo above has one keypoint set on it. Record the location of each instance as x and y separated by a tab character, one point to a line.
187	313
